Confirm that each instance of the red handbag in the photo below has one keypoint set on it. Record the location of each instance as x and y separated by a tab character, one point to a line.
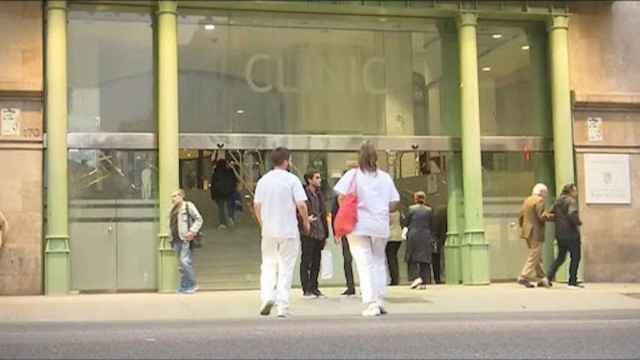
347	215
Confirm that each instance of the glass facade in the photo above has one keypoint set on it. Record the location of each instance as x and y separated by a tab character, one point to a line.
110	71
260	73
512	78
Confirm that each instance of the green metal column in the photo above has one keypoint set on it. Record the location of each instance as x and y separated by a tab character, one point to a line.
542	125
561	101
450	115
57	261
475	250
168	136
558	29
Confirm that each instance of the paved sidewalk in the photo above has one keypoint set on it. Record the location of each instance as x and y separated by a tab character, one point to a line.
212	305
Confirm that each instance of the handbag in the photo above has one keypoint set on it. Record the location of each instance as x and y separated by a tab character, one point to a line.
196	243
326	264
347	215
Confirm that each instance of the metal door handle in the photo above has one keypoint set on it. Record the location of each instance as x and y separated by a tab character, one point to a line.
110	228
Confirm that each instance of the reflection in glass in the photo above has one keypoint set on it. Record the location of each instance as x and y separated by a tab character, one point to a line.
110	56
257	73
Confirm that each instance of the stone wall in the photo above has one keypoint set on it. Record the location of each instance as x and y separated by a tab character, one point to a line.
604	58
21	84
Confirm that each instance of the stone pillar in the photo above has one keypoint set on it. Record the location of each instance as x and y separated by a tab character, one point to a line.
558	28
168	136
475	250
450	117
57	262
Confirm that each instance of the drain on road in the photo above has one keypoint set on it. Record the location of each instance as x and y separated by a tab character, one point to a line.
633	295
407	300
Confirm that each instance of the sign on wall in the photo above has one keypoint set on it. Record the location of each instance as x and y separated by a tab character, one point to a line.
594	128
10	121
607	179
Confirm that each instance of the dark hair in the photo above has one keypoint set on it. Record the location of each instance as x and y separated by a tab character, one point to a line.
368	160
279	155
566	190
309	175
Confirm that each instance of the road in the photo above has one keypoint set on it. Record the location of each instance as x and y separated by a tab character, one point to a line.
603	334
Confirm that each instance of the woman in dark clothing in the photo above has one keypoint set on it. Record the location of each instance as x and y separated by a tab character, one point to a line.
419	222
223	185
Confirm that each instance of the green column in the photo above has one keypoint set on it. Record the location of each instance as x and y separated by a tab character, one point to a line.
541	118
57	261
168	136
450	117
475	250
558	28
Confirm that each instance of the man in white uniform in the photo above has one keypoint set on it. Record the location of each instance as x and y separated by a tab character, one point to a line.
278	194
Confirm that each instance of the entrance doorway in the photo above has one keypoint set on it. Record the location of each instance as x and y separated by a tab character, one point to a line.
230	255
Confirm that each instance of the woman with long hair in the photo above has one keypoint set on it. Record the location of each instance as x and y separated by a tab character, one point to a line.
377	195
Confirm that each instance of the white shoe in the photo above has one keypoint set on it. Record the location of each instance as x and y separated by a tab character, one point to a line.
372	310
265	309
283	313
415	283
222	226
575	287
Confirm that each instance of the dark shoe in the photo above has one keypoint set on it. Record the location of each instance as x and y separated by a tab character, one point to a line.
265	309
525	283
317	293
349	292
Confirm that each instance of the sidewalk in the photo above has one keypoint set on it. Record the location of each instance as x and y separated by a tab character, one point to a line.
212	305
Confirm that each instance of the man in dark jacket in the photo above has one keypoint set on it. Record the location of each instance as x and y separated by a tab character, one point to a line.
223	186
565	215
314	241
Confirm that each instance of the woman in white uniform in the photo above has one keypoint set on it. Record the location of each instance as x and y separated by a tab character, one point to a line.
377	195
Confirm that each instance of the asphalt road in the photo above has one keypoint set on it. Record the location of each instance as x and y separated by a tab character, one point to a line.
612	334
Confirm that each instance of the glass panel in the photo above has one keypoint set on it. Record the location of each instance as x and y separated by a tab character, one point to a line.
507	179
110	64
513	80
295	75
113	218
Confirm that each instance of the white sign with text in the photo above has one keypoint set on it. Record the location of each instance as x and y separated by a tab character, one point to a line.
607	179
10	121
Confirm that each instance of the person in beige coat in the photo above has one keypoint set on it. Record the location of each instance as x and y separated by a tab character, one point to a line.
532	221
4	227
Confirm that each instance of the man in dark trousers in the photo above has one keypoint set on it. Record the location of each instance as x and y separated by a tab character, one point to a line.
565	215
346	254
314	241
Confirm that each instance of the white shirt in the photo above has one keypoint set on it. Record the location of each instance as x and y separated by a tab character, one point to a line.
375	191
277	192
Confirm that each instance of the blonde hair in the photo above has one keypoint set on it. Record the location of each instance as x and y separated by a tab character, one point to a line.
368	160
420	197
539	189
178	192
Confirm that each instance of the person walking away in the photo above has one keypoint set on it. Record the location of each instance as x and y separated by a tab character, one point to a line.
185	222
565	214
223	185
314	242
532	222
439	239
395	241
278	194
419	222
377	195
347	263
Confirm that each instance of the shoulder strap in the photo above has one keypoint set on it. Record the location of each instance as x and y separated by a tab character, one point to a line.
186	206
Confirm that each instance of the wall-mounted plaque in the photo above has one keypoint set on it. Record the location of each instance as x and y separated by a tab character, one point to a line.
594	128
10	121
607	179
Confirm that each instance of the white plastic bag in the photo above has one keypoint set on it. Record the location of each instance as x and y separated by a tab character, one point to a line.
405	231
326	265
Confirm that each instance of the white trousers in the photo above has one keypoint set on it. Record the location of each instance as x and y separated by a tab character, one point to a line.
371	262
276	273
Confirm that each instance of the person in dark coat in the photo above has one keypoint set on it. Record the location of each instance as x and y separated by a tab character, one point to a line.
223	185
565	215
419	222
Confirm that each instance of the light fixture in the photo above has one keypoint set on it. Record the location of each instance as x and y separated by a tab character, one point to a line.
525	47
240	111
209	27
486	68
496	36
